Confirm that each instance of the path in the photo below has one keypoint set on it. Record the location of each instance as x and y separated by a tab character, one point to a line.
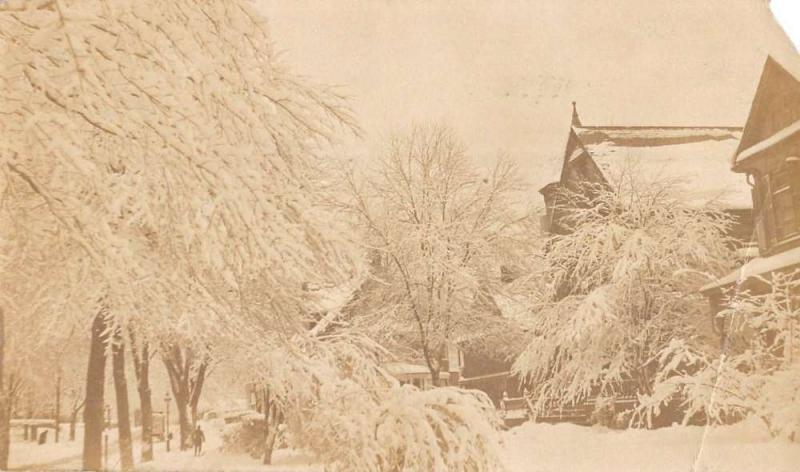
214	459
68	456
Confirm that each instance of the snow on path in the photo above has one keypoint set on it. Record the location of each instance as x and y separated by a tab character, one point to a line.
213	459
67	456
744	447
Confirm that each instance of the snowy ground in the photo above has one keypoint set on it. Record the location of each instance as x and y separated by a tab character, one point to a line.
212	459
67	456
530	447
744	447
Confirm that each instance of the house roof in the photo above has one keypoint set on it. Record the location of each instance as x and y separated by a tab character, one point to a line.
756	267
331	297
696	158
404	369
775	112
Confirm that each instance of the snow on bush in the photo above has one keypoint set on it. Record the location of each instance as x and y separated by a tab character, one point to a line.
756	374
342	406
618	288
247	436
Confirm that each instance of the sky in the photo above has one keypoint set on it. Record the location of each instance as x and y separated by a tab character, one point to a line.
503	74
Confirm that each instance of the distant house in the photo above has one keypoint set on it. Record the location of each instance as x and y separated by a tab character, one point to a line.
417	375
696	158
768	156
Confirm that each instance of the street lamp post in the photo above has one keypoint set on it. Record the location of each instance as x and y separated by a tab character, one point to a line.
166	418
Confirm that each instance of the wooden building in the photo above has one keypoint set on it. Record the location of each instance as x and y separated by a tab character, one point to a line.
695	158
768	159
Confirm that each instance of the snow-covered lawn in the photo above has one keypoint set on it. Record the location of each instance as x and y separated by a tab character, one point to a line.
30	454
66	455
745	447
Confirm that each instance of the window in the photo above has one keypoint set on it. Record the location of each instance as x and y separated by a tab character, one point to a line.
785	190
776	200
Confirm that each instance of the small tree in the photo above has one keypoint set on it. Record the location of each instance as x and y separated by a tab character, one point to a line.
618	288
441	230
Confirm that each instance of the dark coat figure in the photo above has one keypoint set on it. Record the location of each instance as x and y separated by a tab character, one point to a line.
198	438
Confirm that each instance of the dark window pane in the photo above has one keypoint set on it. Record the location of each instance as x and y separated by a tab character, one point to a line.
785	220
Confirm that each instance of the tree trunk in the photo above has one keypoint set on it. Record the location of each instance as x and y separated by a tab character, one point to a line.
435	377
269	444
186	382
5	401
195	388
193	410
123	411
141	364
147	424
93	410
73	419
183	420
273	418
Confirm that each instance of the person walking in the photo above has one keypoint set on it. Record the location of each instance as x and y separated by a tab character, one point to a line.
198	438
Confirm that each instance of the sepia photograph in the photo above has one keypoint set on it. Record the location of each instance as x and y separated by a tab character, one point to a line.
400	235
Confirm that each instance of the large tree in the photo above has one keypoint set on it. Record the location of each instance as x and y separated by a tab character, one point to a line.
176	166
440	229
166	146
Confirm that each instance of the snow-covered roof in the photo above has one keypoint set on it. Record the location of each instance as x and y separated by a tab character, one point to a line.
775	113
697	159
767	143
401	369
758	266
332	297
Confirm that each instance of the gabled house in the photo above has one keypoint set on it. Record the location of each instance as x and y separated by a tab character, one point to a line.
696	158
768	159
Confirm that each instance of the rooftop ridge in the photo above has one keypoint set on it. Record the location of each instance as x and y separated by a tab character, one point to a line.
675	127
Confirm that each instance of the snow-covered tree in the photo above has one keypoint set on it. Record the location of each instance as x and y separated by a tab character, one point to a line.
616	290
36	337
354	416
440	230
174	165
171	155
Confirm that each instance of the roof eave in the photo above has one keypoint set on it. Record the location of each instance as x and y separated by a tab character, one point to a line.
764	145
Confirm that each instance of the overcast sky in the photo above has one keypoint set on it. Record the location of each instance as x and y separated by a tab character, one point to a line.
503	74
